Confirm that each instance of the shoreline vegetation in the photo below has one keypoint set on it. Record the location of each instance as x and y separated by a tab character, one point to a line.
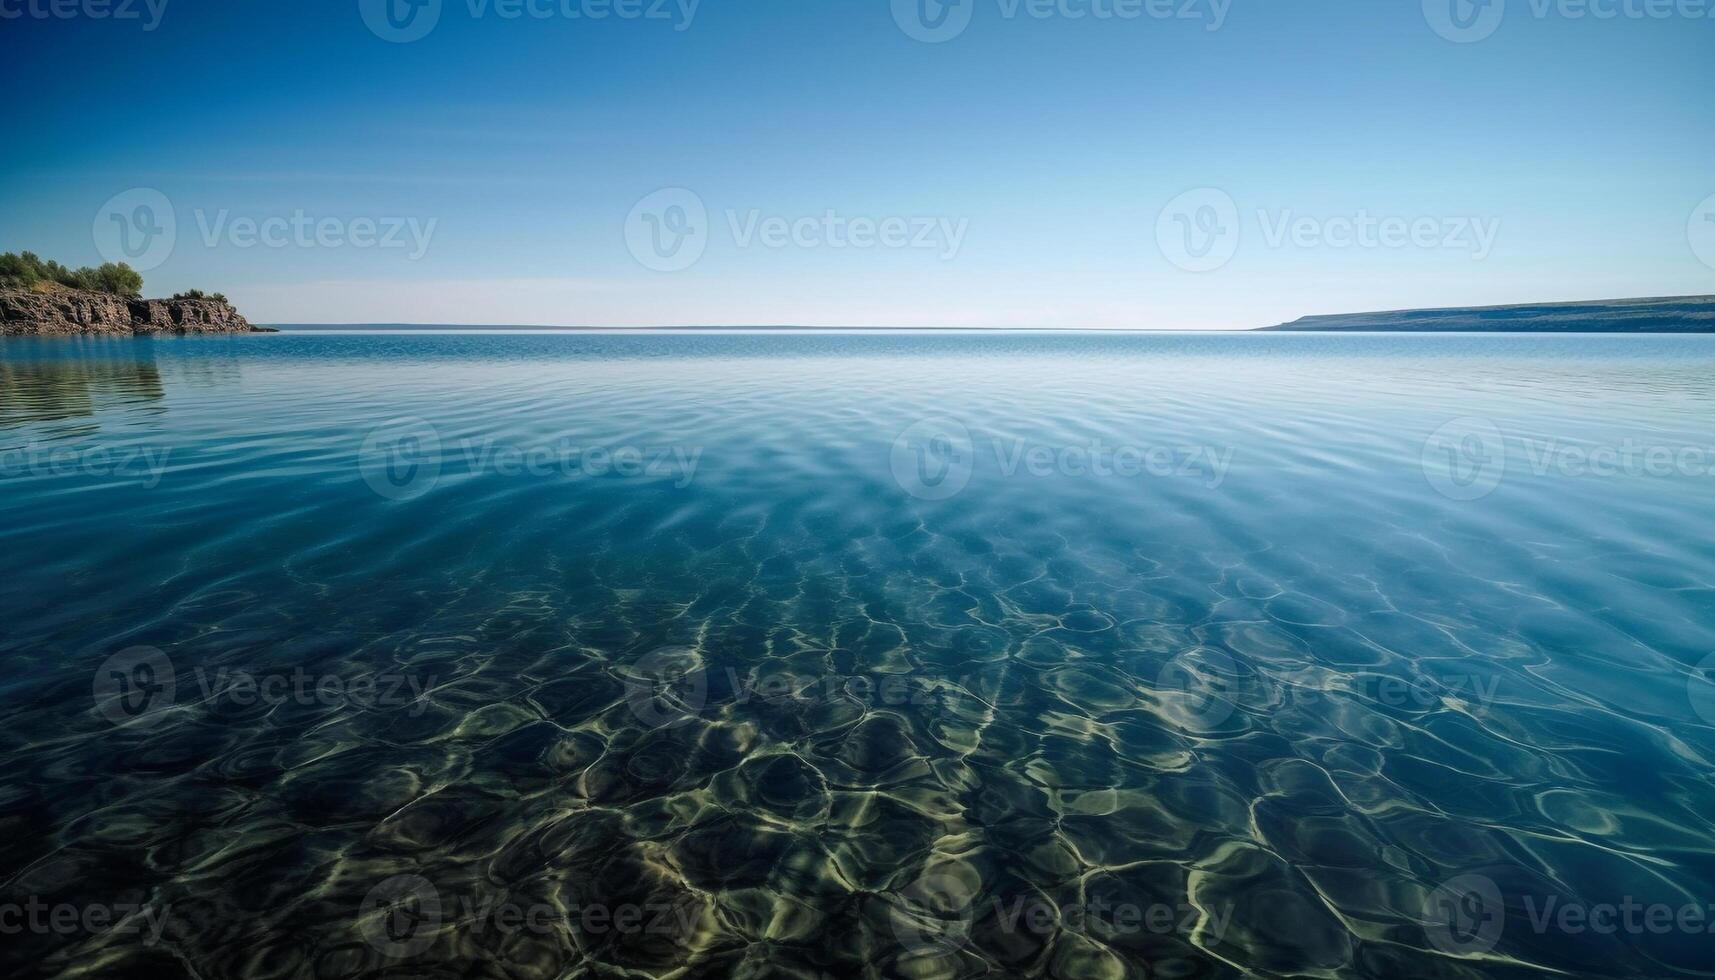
42	298
26	270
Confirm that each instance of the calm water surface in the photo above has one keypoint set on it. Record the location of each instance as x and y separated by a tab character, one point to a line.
554	655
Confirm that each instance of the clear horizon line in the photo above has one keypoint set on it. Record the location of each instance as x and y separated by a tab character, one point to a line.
895	327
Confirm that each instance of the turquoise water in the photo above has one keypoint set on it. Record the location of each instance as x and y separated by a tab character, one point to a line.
540	655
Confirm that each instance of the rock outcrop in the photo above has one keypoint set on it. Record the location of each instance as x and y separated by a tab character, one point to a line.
1671	314
63	312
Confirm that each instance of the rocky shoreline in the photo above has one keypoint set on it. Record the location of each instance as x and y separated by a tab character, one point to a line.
1670	314
70	312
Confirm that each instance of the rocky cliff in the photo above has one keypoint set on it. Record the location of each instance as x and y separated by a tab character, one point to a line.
62	312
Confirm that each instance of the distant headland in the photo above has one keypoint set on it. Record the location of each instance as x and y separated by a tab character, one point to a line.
43	298
1672	314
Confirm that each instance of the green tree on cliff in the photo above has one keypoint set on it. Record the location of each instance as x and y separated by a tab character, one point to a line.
199	294
116	278
24	270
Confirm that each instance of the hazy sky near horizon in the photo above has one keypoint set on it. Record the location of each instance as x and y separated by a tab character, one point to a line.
1079	163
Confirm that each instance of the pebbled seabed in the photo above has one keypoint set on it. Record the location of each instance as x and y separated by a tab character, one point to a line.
775	703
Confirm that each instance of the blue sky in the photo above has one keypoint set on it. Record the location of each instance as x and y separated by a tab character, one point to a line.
825	165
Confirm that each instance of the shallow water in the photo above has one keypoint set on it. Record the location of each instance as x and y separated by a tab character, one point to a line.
895	655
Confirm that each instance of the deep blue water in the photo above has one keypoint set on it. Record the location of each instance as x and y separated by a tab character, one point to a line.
918	655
